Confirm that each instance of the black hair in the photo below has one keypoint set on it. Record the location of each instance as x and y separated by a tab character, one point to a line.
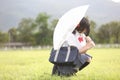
84	24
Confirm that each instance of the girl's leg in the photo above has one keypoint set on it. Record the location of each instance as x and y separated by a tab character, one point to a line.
54	70
85	64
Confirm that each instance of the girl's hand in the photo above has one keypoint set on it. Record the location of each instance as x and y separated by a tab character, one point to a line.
88	45
90	42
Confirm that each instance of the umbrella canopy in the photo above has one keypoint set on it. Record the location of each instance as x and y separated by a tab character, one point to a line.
67	24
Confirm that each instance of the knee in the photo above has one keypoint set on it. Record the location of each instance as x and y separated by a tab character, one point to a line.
89	59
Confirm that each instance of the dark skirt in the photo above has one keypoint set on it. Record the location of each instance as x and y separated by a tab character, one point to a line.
68	70
84	57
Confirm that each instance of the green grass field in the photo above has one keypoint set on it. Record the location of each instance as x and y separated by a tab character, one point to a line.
34	65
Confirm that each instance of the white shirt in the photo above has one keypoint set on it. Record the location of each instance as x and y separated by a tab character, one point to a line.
78	40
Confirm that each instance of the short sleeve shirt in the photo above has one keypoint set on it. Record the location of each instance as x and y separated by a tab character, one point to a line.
78	40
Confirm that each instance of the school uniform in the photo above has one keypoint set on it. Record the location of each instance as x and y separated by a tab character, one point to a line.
76	40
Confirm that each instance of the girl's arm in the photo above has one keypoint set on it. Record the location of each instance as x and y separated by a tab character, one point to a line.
90	43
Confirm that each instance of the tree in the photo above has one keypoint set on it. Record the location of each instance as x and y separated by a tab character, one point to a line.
109	32
13	35
42	21
3	37
26	29
103	34
44	34
53	24
93	30
115	27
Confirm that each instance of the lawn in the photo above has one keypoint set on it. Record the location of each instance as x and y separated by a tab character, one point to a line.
34	65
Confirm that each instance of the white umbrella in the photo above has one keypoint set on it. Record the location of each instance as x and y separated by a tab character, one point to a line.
116	1
67	24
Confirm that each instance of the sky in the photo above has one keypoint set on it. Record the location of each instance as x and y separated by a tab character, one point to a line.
12	11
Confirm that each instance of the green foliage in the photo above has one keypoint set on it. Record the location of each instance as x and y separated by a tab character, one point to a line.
3	37
42	20
26	29
53	24
109	32
36	32
93	30
34	65
39	31
13	36
44	34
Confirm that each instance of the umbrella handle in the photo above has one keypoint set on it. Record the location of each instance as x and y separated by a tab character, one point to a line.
65	44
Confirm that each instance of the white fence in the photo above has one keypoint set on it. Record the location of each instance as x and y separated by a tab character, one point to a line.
50	47
26	48
107	46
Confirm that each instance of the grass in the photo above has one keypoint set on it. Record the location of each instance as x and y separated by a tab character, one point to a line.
34	65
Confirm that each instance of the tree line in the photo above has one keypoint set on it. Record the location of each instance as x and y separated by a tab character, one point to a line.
39	31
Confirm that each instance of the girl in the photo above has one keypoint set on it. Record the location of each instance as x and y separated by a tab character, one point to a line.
83	41
78	38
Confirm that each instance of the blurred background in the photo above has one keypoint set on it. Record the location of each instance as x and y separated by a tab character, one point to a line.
30	23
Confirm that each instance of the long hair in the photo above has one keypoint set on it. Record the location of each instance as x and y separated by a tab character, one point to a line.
84	24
